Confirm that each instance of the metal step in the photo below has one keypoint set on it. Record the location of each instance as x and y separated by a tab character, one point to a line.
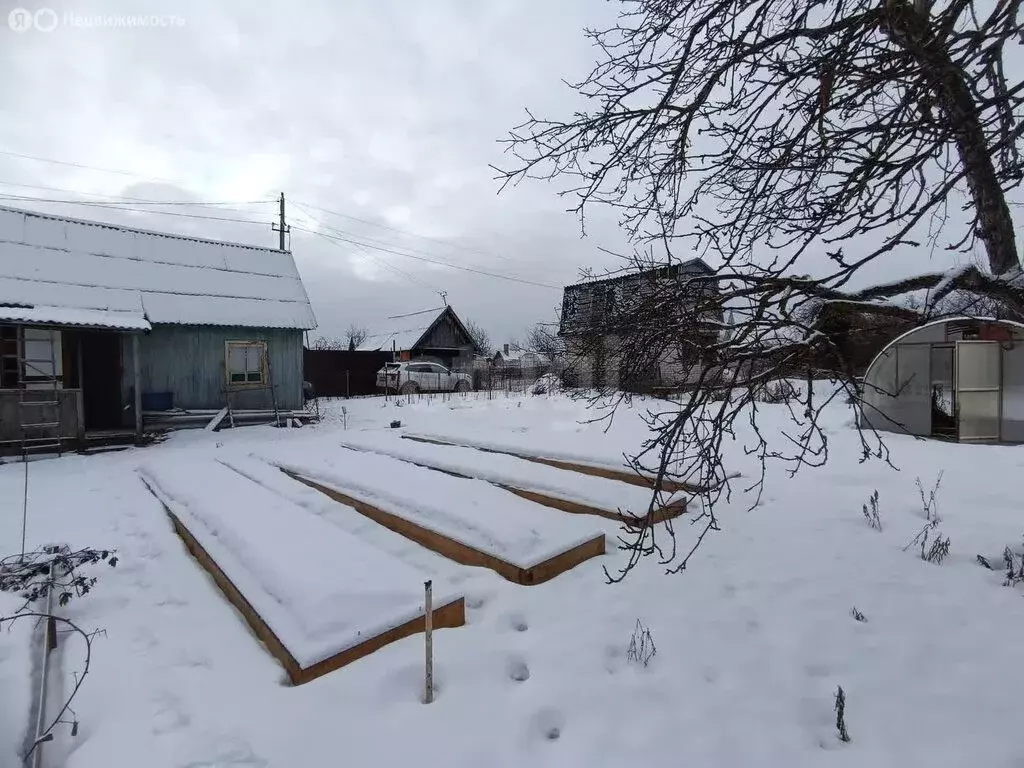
40	402
41	424
56	447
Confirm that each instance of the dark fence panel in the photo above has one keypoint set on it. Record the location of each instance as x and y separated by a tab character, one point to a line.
341	373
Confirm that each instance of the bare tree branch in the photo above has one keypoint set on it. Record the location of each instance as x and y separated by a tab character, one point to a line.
758	134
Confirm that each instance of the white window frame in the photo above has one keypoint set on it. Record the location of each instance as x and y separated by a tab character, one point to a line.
245	344
42	345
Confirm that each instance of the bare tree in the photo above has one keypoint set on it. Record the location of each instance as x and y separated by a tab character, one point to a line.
766	134
324	343
480	338
543	338
355	336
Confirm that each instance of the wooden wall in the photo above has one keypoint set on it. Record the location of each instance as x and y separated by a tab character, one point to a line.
189	361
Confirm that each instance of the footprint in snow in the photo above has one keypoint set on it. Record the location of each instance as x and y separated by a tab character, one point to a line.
170	715
230	751
517	669
547	724
613	659
517	622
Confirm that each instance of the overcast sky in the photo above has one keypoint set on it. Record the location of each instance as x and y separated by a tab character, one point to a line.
385	110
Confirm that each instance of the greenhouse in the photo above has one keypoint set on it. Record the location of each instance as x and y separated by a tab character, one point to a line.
958	379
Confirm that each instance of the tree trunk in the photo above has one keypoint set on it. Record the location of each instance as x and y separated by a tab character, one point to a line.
912	32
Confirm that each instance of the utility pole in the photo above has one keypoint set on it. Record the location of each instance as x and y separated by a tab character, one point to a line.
281	227
444	297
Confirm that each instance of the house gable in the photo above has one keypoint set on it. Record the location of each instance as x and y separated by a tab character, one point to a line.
446	332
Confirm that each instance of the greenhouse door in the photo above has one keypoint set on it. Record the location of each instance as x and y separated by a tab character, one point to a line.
978	396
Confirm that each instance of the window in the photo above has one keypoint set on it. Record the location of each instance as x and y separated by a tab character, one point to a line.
246	362
41	349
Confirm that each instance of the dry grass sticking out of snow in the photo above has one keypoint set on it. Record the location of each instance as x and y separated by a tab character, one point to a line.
753	640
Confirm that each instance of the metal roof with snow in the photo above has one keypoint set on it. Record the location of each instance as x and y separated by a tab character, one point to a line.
65	271
409	330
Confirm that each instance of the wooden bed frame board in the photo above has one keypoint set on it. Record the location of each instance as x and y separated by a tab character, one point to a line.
459	552
449	615
660	515
584	469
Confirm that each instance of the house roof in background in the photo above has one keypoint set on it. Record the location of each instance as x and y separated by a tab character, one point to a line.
408	330
691	265
50	263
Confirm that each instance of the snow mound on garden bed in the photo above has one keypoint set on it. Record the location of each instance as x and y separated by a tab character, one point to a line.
319	589
598	492
471	512
541	442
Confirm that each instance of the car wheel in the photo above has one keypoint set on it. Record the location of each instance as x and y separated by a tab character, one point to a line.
462	386
409	388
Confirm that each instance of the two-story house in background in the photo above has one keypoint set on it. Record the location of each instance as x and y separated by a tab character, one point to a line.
641	330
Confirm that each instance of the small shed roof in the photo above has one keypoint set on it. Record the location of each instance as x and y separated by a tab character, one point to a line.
70	271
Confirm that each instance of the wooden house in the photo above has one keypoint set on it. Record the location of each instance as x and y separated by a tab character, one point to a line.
437	334
640	330
102	324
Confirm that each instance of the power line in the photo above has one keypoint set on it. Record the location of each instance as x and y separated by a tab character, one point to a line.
397	270
112	207
406	232
84	166
461	267
141	200
433	258
376	259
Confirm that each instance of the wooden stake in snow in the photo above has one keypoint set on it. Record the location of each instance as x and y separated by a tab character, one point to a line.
428	620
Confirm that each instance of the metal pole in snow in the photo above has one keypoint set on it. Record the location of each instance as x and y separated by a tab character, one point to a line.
428	623
48	644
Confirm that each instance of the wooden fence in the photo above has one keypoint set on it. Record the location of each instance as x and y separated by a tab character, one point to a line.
341	373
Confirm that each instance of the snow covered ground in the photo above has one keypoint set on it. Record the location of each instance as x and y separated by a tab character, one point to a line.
752	640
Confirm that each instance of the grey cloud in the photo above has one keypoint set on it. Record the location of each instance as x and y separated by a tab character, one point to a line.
360	107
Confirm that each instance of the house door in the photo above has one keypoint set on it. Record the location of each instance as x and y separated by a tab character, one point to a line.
101	379
944	423
978	396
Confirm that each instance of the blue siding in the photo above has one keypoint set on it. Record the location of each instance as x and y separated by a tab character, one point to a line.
189	362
